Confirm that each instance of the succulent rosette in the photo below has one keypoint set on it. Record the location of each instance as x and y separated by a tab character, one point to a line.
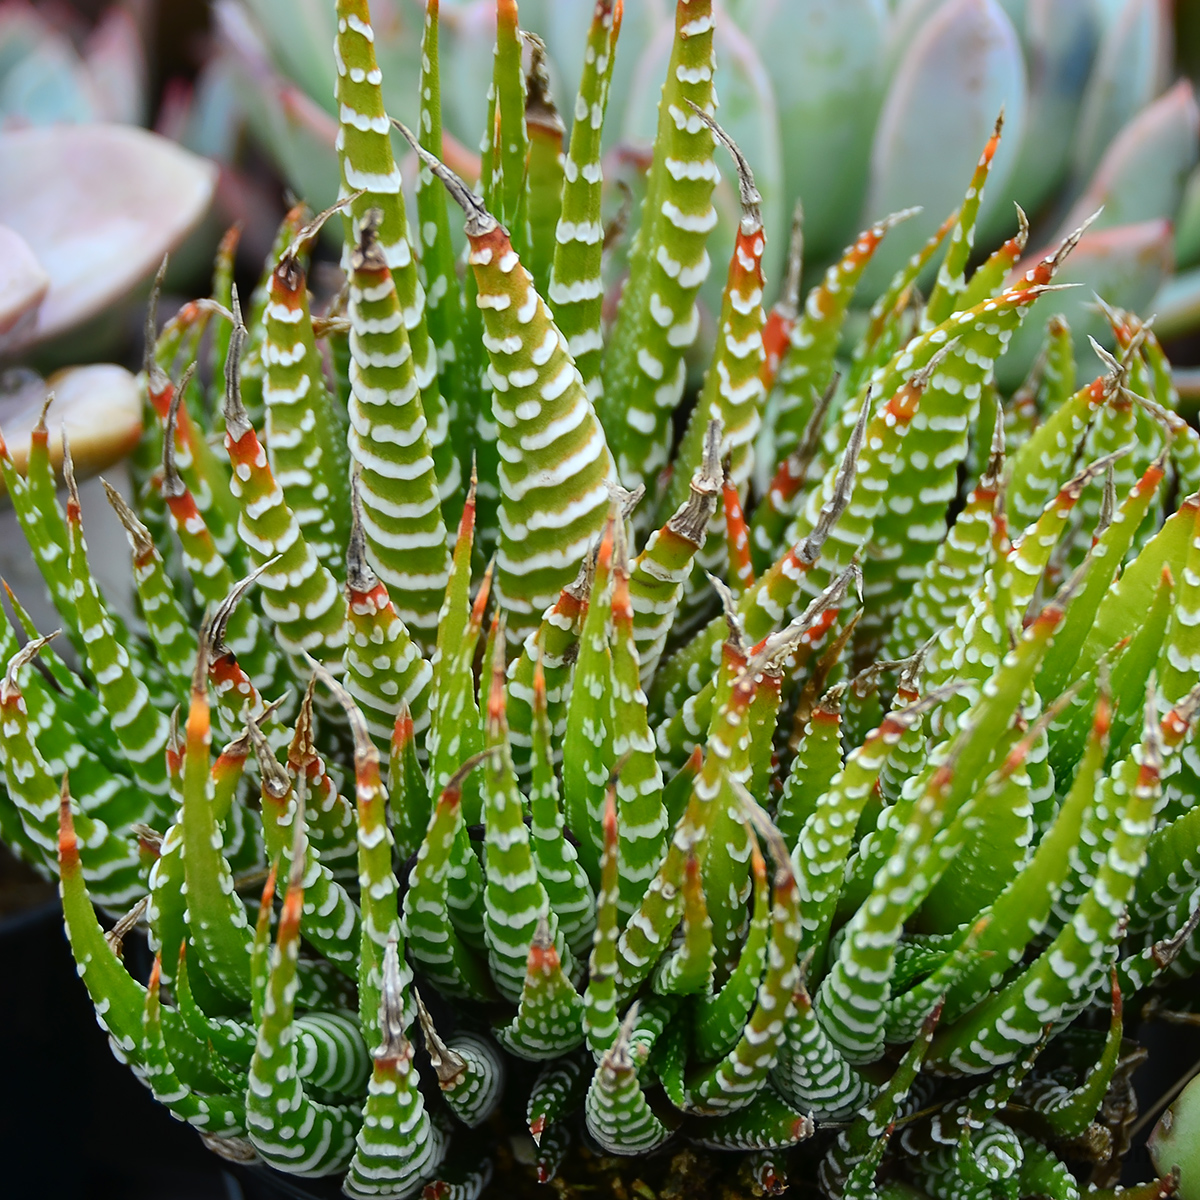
800	770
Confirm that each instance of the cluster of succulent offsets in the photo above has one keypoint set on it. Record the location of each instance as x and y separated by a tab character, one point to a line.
830	824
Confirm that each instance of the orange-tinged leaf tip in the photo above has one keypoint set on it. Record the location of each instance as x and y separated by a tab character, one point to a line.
268	893
293	908
758	864
402	731
68	845
542	960
904	403
481	598
466	523
622	605
199	726
1148	775
229	240
604	554
610	815
497	693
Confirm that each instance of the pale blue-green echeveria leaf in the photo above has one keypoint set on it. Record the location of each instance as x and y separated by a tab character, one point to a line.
904	23
299	134
116	67
1018	13
299	35
1131	68
1176	305
824	60
959	71
1060	39
44	79
212	122
21	29
1187	223
1110	12
48	85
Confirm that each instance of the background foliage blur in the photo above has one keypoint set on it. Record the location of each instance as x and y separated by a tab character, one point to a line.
1097	94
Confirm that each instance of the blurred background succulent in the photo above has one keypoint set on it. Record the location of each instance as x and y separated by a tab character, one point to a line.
89	202
836	102
857	108
57	67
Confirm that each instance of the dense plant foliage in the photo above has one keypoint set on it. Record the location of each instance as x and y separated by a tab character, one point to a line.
816	821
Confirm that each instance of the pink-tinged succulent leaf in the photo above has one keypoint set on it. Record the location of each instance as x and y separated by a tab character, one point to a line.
23	285
300	33
1145	169
116	65
1187	223
45	81
99	405
98	206
299	133
1061	38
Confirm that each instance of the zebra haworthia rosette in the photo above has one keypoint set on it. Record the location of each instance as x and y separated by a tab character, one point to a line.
638	801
